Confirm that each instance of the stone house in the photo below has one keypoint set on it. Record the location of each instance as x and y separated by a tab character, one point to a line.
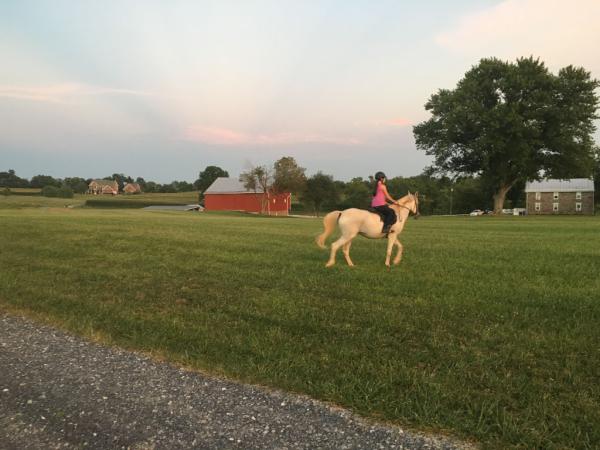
574	196
99	187
132	188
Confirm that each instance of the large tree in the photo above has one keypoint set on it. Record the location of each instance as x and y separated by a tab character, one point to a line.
40	181
208	177
320	190
512	122
288	176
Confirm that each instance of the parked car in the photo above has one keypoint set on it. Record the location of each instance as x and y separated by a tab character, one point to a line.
476	212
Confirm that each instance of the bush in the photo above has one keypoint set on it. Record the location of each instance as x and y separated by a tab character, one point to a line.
50	191
5	191
62	192
65	192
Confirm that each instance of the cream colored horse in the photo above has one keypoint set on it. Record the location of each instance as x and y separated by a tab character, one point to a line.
355	221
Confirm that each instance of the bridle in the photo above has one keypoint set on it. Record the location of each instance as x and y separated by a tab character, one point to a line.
416	208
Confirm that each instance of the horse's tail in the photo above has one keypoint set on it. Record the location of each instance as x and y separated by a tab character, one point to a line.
329	223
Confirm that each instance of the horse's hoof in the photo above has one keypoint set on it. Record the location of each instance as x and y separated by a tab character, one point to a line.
329	264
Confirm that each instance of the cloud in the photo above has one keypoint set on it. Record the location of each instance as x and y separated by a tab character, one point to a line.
228	137
62	92
559	32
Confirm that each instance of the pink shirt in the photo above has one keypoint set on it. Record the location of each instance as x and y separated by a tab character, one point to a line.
379	197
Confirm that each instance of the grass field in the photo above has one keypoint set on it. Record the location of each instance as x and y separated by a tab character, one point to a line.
98	201
489	329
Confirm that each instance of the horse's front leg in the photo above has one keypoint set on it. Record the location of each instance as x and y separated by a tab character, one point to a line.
390	246
399	254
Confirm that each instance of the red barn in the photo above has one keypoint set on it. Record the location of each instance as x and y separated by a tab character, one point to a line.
229	194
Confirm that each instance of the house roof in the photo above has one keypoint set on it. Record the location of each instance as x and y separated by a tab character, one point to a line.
110	183
223	185
572	185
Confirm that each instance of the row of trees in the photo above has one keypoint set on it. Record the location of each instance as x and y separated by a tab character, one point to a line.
80	185
440	194
321	192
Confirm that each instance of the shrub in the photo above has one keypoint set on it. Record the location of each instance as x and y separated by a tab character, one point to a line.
65	192
52	191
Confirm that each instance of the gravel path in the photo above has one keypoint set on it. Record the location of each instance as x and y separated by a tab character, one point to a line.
59	391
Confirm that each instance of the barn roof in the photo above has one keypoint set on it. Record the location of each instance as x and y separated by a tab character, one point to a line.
572	185
223	185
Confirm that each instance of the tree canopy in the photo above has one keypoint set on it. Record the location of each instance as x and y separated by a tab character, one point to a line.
288	176
208	177
320	190
512	122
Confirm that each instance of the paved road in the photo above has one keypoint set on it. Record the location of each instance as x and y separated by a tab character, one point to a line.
59	391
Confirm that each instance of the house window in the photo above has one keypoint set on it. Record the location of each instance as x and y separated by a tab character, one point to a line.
578	206
538	206
555	207
578	196
555	196
538	195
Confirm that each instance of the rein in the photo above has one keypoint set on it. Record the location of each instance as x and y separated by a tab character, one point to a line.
406	207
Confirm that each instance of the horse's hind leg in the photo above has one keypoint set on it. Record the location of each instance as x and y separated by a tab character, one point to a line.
346	250
335	247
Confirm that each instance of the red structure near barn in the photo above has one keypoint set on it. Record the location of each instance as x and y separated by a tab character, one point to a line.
228	194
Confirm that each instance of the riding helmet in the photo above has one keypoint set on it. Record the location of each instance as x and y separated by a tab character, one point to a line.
380	175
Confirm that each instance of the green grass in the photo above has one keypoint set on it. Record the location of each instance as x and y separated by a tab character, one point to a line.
141	200
489	329
38	201
97	201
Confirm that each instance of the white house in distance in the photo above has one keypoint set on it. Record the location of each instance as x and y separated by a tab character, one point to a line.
574	196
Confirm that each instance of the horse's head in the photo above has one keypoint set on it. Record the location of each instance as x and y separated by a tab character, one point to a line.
414	201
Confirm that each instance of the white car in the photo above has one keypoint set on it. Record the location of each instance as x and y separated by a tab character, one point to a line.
476	212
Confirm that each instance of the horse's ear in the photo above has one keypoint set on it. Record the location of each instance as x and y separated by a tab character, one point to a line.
417	194
408	192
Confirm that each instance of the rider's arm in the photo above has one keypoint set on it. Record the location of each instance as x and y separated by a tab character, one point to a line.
387	195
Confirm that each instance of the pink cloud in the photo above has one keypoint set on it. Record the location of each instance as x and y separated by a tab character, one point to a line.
228	137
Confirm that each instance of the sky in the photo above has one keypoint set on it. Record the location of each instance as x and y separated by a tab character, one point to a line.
162	89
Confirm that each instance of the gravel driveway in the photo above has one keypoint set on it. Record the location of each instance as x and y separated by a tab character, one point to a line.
59	391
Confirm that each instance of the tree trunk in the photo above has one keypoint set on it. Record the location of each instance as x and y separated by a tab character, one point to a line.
499	197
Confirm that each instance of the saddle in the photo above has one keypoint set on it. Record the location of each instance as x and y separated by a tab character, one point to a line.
382	217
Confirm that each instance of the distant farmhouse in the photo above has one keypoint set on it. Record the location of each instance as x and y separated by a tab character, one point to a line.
99	187
575	196
132	188
229	194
